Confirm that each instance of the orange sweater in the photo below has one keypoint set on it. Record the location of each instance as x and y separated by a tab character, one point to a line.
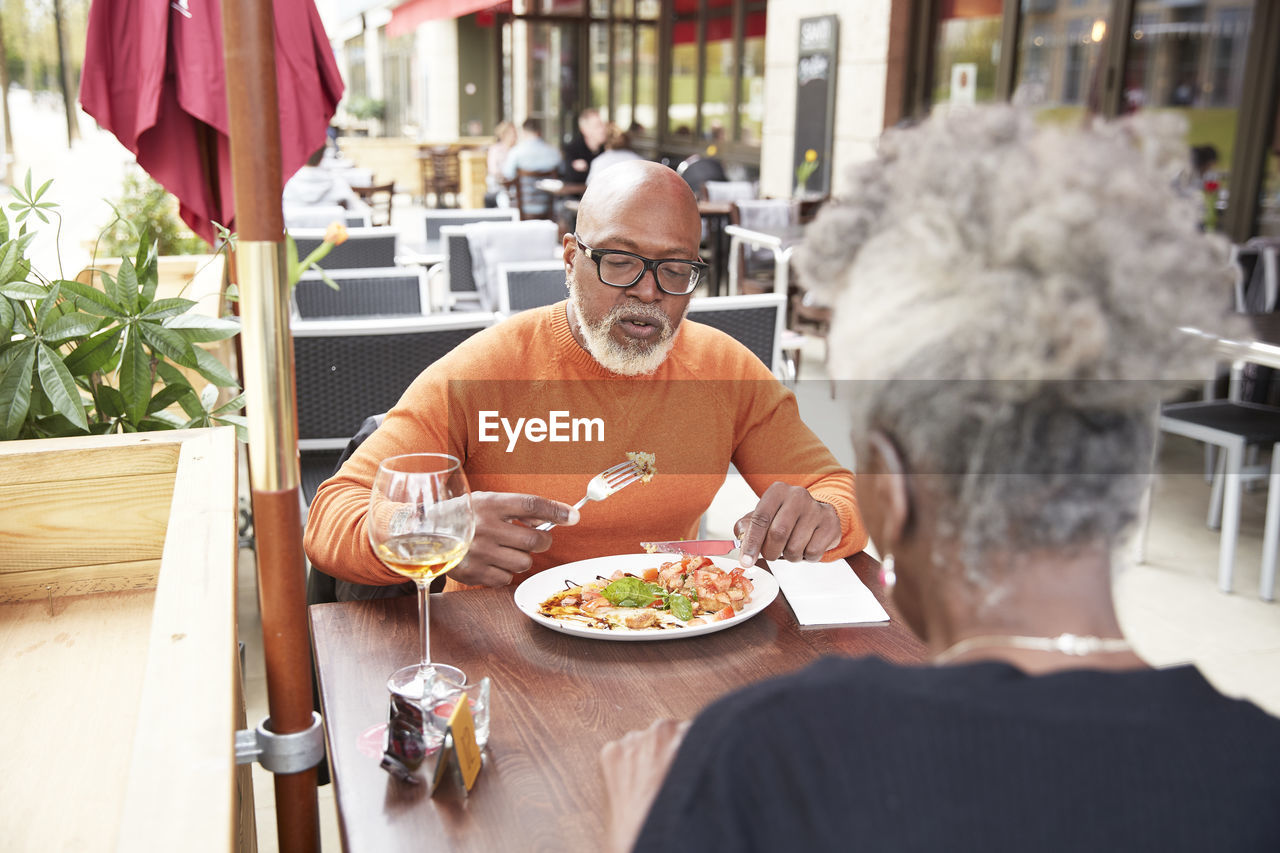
711	403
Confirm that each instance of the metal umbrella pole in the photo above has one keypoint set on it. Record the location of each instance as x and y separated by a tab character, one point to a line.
249	48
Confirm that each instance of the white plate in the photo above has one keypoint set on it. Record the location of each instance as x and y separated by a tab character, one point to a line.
537	589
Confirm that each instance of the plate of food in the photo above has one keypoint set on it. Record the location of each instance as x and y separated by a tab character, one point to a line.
645	596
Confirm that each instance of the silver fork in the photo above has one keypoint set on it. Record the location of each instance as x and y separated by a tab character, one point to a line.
604	484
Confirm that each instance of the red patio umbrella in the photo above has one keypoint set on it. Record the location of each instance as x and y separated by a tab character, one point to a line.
154	76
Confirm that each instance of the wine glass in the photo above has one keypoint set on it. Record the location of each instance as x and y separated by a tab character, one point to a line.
420	525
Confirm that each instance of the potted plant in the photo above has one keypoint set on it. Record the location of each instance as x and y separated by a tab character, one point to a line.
76	360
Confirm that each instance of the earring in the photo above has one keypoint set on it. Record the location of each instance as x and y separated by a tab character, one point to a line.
887	576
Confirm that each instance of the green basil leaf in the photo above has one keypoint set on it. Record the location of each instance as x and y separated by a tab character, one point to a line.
629	592
15	386
59	387
681	607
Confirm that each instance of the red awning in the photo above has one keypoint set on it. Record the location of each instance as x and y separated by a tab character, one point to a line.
406	17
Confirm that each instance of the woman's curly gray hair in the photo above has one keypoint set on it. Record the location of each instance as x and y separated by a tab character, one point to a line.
1009	294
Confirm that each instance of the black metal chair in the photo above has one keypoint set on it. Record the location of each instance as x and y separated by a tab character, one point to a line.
379	292
697	170
530	284
363	248
755	321
434	220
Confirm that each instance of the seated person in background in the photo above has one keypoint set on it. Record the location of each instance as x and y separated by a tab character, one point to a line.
585	146
617	149
313	185
532	154
619	352
1001	457
504	140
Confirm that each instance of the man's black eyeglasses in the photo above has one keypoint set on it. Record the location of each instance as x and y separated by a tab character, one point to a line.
617	268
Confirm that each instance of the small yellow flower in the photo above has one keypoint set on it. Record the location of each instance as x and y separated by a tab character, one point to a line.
336	233
811	156
711	150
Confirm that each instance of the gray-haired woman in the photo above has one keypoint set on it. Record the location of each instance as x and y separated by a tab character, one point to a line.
1010	301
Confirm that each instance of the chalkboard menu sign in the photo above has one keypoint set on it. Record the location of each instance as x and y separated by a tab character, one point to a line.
815	105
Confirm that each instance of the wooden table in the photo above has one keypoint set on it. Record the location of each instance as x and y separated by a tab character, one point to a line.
716	214
557	699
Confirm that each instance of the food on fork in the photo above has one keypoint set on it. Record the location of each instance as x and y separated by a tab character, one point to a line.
646	463
678	594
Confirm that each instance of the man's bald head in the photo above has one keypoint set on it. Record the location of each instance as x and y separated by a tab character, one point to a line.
639	185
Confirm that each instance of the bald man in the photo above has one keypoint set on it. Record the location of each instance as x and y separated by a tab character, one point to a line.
538	404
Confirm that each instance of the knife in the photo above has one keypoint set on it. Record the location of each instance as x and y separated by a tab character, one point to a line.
695	547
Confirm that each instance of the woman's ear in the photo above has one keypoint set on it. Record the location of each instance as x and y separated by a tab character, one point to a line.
886	477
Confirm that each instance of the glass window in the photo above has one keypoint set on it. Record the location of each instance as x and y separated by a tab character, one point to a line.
1269	197
1186	61
751	103
720	80
622	53
645	113
357	82
966	51
598	74
682	104
1059	57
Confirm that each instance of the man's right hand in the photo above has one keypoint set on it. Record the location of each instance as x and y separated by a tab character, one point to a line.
505	540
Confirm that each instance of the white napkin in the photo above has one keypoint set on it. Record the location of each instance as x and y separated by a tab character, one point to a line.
826	593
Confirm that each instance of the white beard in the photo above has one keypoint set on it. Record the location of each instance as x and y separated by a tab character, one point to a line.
638	358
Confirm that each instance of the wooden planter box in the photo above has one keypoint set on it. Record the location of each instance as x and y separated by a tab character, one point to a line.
118	654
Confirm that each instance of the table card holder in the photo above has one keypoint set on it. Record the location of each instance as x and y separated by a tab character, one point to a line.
459	749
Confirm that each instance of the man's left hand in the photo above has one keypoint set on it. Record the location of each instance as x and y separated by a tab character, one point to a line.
787	522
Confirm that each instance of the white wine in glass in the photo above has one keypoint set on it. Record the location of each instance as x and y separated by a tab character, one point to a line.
420	526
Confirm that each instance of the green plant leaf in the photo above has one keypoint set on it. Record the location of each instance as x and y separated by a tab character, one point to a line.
212	369
168	343
171	375
71	326
159	421
324	276
233	405
240	423
171	307
59	387
135	376
7	317
15	387
94	352
91	299
10	255
4	227
112	288
127	285
40	192
167	396
45	306
109	401
23	290
197	328
148	274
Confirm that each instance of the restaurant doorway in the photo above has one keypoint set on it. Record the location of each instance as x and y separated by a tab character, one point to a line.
551	51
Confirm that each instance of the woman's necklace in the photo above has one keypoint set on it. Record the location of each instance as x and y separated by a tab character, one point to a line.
1068	644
